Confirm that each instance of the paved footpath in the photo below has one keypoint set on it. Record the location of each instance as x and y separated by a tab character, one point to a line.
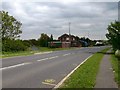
105	77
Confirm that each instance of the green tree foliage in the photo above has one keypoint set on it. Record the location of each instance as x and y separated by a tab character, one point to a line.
13	45
87	40
114	34
33	42
10	30
27	43
43	40
10	26
51	37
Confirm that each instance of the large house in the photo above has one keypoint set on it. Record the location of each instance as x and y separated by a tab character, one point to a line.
69	41
66	40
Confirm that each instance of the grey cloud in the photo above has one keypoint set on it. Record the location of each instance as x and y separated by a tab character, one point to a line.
53	17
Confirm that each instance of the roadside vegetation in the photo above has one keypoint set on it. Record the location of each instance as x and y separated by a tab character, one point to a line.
31	52
113	36
85	75
13	46
116	68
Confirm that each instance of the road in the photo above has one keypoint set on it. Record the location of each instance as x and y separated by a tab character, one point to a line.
42	70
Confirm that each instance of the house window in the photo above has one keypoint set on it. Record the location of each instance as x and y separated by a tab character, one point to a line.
73	38
67	38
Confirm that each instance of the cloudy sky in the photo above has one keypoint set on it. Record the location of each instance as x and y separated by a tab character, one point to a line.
88	19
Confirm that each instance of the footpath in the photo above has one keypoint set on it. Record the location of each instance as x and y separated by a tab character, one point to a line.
105	77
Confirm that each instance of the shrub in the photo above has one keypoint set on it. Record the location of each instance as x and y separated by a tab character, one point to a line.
13	45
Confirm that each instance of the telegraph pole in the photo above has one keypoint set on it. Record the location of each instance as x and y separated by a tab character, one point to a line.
69	35
88	34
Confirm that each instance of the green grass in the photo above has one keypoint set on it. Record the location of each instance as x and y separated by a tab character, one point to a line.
19	53
26	53
52	49
116	68
85	75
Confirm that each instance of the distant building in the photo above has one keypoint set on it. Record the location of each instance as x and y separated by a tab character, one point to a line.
66	41
69	41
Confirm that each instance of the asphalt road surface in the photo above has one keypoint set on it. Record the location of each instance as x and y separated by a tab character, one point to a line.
42	70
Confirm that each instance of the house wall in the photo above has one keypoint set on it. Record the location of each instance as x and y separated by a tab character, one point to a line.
65	39
65	44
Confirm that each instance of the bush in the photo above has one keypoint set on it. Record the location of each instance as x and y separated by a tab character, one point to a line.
13	45
117	53
27	43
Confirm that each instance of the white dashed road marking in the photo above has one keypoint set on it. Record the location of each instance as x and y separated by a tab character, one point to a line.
66	54
53	57
43	59
14	66
22	64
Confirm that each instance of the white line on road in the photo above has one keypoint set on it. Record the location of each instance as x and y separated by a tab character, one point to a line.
47	58
43	53
62	81
25	63
66	54
43	59
15	66
53	57
48	83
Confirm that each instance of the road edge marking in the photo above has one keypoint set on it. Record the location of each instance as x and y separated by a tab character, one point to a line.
43	53
62	81
26	55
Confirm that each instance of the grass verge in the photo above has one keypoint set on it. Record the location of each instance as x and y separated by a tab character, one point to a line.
85	75
19	53
53	49
27	53
116	68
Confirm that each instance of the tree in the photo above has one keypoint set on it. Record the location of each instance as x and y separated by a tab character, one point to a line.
43	40
77	38
10	30
113	34
88	41
51	37
34	42
10	26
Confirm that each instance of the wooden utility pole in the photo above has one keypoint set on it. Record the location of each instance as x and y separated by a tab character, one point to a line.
69	35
